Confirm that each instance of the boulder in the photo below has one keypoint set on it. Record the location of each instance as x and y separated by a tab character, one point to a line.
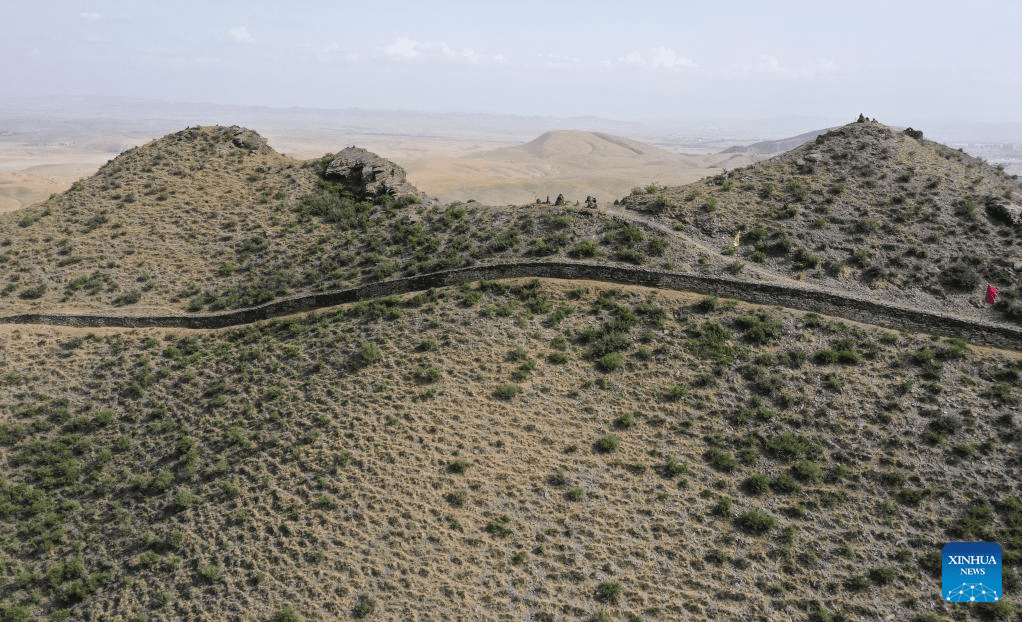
1006	213
244	138
368	173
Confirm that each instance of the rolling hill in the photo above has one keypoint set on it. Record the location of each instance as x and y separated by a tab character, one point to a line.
868	209
773	147
212	218
569	162
505	448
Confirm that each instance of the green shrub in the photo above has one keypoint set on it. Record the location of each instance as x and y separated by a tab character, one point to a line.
626	420
756	484
804	260
1002	392
611	362
369	353
630	255
32	293
912	496
760	329
883	576
723	507
363	609
499	527
609	443
756	522
585	248
458	466
656	247
558	358
673	468
748	456
472	298
847	357
784	483
212	573
721	460
507	391
857	583
431	373
707	305
826	356
677	392
807	471
711	342
576	494
609	591
787	445
287	614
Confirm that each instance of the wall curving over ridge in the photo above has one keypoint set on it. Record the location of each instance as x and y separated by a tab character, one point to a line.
806	299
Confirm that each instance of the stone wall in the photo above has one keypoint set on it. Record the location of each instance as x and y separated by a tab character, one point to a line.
806	299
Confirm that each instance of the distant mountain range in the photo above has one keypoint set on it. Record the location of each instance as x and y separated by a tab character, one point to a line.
771	147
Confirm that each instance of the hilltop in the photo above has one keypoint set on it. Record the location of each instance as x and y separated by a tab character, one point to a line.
212	218
868	209
569	162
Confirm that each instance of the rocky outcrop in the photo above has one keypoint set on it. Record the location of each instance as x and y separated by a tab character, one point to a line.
1006	213
794	297
244	138
368	174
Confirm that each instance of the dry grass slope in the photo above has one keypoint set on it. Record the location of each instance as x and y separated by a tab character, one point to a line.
212	218
511	449
866	208
503	451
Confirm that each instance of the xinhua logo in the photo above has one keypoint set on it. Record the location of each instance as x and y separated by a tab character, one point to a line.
971	572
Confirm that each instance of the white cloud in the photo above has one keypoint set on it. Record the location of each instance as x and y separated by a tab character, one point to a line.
90	16
405	47
240	34
632	59
402	47
666	57
769	63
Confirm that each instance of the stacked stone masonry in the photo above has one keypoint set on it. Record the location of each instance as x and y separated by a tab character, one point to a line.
803	298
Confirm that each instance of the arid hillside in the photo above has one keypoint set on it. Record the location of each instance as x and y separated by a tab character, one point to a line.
866	208
503	451
212	218
514	448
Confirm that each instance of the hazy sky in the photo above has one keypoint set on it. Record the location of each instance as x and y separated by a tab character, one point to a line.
897	61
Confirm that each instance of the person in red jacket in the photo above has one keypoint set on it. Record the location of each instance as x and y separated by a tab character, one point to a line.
991	294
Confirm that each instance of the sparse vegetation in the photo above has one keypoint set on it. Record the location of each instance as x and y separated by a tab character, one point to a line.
331	441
